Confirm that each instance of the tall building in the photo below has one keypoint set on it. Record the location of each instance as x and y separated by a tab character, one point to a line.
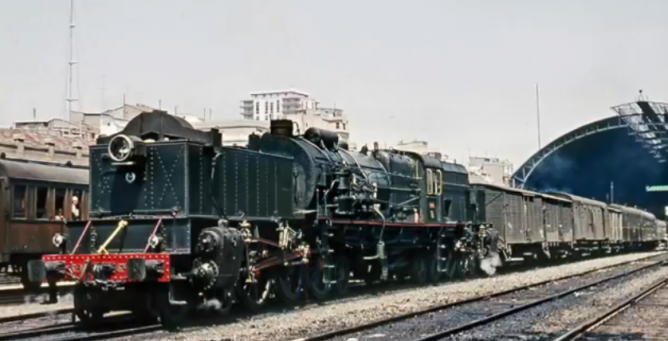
298	107
490	169
269	105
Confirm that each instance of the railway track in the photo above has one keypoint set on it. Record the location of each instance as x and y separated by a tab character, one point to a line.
70	331
20	295
355	332
111	327
590	330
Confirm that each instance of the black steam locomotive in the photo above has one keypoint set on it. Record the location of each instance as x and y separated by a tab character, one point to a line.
177	220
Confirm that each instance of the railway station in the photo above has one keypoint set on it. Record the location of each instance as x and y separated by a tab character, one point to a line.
159	196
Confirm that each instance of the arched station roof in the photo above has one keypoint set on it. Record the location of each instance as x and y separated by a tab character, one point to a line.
599	160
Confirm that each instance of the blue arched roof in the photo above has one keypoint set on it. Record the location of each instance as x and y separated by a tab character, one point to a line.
593	161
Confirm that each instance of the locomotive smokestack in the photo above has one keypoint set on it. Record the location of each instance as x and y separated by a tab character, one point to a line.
282	128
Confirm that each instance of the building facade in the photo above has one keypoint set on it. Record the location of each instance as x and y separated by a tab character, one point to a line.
297	106
490	169
270	105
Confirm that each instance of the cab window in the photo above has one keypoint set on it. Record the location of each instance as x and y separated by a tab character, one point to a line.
19	201
430	182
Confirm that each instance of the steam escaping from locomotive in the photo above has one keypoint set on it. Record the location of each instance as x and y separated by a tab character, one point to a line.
208	305
490	263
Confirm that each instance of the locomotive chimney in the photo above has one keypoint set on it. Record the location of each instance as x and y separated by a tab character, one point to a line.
282	128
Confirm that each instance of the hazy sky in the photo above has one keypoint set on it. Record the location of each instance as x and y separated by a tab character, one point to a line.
459	74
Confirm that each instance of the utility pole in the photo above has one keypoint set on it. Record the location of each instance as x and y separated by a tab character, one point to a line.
538	115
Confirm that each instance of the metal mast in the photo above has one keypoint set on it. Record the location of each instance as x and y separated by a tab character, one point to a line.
70	92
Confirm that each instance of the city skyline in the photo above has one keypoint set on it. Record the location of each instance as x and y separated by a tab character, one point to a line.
459	75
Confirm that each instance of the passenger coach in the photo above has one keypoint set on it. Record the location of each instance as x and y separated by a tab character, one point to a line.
36	200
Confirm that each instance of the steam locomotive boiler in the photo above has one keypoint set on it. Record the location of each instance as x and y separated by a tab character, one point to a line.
177	220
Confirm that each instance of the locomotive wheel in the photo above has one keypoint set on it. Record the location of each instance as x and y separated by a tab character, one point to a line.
342	276
373	274
433	276
84	307
452	265
315	282
252	296
289	283
419	270
170	315
468	265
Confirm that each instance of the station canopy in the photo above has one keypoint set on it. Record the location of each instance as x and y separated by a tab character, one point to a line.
621	158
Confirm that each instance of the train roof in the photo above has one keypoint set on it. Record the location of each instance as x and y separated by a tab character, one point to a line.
633	210
578	199
504	188
453	167
45	173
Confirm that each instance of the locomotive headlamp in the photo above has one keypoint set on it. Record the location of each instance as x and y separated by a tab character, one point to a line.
122	147
58	240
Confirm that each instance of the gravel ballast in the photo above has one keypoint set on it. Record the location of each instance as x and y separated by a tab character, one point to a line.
551	319
64	302
645	320
420	326
317	319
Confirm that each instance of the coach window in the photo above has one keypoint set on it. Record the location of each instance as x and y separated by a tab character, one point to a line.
430	182
19	201
438	180
75	210
60	203
42	202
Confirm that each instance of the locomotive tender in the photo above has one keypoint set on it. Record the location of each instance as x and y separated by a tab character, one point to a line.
177	220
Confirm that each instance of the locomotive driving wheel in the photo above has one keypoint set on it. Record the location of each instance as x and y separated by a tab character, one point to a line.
433	275
316	285
419	270
253	294
289	284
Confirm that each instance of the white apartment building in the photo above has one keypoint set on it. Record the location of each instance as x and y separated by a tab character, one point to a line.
490	169
297	106
270	105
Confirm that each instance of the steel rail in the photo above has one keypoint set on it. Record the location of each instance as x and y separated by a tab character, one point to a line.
492	318
31	316
405	316
111	334
583	328
40	331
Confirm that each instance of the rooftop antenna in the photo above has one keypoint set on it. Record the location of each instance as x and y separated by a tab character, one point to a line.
70	93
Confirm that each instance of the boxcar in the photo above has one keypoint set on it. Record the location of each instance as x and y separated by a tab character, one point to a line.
516	214
36	200
588	218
